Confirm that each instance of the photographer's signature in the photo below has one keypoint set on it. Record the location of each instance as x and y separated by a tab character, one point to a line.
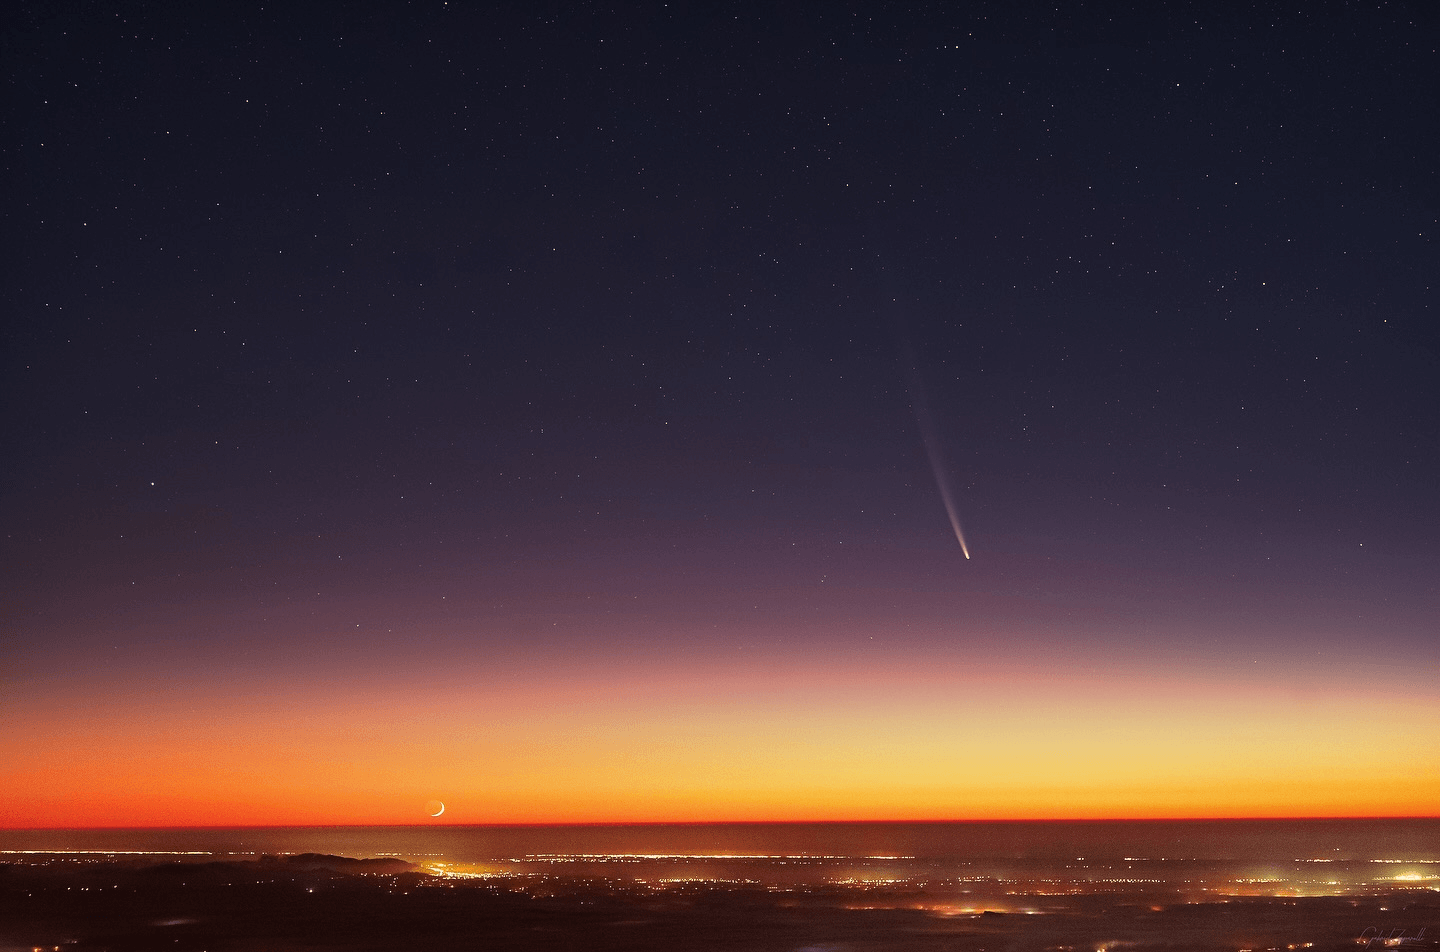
1375	938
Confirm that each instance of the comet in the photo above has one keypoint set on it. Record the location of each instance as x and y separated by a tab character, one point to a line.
931	439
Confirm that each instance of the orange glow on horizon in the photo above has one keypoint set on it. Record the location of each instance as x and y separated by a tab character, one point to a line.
914	741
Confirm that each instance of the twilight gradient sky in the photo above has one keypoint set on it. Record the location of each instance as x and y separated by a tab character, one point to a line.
513	406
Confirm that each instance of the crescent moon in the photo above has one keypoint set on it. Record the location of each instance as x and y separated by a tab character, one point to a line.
435	808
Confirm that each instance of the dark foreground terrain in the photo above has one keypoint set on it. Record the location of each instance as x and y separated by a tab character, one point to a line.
321	903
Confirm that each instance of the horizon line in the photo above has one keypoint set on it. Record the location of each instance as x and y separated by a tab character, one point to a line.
752	822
